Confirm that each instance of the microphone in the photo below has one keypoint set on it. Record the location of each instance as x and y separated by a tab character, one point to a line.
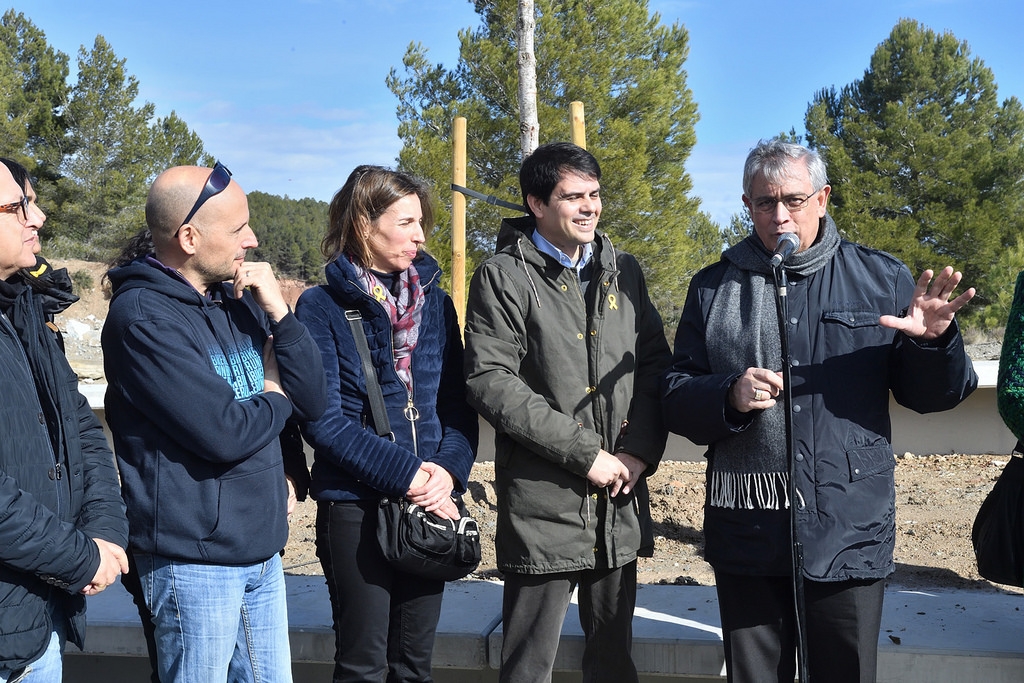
784	248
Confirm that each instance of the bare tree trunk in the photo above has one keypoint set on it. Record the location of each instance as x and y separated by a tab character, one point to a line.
529	127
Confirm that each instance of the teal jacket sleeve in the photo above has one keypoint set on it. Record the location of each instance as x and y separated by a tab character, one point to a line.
1010	382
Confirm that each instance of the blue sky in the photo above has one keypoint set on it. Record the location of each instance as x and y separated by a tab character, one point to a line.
290	94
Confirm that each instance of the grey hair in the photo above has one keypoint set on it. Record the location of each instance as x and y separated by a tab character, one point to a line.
772	159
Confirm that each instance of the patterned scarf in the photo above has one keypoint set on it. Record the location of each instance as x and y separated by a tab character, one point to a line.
749	469
405	309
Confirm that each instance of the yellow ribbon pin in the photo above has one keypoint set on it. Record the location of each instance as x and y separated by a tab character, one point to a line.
378	293
612	304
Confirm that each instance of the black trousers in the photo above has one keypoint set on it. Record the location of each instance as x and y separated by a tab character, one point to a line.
534	607
384	620
759	629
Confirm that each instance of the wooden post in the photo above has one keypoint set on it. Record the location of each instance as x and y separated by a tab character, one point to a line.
459	218
579	124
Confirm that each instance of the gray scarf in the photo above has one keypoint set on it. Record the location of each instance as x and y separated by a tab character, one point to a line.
749	470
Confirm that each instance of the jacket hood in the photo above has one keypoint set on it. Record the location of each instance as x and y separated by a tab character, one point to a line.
148	273
514	229
515	238
52	288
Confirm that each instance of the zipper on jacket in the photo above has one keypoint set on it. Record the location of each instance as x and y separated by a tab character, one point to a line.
13	333
622	433
412	414
579	290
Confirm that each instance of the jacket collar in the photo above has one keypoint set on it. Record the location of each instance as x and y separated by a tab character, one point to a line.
515	237
342	278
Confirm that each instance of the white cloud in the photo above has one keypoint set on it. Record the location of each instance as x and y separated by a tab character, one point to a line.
300	161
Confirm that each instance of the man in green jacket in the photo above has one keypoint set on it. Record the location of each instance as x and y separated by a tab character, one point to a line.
564	351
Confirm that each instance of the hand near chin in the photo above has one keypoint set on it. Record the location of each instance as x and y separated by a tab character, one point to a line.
259	277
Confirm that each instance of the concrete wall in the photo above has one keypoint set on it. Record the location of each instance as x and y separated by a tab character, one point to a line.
973	427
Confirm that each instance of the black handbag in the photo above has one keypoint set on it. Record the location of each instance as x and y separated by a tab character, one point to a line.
413	540
421	543
998	532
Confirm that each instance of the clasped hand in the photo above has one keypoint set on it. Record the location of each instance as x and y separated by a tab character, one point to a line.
113	563
619	472
432	490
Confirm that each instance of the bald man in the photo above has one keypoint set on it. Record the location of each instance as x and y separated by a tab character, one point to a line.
204	363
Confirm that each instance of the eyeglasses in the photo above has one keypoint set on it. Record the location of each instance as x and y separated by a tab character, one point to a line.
14	206
219	179
793	203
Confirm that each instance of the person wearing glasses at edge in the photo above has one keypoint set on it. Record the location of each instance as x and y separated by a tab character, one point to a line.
859	328
384	619
63	528
204	364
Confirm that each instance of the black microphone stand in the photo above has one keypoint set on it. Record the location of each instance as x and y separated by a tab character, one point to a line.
796	548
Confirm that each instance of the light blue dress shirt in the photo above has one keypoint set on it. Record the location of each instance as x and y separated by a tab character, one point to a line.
587	252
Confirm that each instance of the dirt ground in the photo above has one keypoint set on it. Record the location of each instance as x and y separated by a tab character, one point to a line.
937	496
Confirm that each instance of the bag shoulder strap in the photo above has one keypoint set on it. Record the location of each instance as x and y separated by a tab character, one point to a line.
373	392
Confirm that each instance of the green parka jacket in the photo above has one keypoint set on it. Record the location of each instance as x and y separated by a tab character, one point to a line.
561	375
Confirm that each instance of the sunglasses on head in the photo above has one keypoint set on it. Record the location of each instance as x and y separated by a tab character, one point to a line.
219	179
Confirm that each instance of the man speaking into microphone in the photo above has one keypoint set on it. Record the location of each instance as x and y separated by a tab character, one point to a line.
858	327
785	245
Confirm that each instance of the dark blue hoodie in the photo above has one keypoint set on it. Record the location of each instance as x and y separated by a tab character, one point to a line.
196	438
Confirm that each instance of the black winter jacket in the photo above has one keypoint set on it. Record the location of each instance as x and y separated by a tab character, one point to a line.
58	484
844	364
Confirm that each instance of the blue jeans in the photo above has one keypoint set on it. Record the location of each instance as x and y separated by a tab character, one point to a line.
47	669
217	623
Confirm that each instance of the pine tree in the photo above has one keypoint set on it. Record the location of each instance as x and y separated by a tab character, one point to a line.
175	144
33	94
113	152
924	162
104	176
627	69
289	232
